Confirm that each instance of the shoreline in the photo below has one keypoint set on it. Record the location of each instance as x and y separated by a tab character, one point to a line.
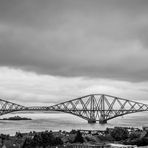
116	135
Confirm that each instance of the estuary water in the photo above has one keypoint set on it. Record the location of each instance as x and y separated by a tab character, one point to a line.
42	121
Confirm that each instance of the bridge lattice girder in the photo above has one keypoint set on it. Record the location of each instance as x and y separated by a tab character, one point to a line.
7	107
97	107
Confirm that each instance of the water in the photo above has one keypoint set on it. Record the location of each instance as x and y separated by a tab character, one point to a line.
63	121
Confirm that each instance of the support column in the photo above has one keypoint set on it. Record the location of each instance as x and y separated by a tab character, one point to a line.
102	119
91	121
92	111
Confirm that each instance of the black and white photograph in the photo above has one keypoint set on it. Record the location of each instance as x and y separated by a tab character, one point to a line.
73	73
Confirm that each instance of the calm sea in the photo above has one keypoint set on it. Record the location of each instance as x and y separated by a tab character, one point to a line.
62	121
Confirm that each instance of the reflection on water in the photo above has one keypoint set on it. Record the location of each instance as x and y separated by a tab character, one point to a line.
63	121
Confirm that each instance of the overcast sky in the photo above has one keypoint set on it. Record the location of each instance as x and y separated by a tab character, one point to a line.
55	50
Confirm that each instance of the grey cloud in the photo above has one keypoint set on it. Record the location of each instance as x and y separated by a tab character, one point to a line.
105	38
28	88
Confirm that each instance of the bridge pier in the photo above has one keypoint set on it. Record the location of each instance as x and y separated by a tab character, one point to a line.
91	121
102	121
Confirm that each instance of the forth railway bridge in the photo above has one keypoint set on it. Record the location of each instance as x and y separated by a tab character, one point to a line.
94	107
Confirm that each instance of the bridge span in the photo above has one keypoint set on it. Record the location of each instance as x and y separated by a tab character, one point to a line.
94	107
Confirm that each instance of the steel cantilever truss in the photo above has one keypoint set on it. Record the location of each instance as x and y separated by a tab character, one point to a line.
7	107
95	107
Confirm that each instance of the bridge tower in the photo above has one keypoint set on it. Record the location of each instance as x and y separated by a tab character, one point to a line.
92	110
102	119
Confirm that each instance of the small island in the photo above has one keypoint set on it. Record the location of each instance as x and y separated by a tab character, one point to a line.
16	118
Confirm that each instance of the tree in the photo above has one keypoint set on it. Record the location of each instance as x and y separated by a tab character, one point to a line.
134	135
78	137
119	133
58	141
43	139
73	131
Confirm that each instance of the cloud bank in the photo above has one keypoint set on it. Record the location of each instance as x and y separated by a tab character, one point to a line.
29	88
101	39
51	50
